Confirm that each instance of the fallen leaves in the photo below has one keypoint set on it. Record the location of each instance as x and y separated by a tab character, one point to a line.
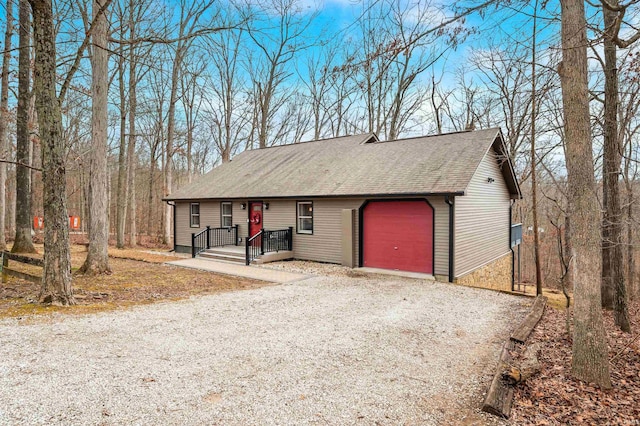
553	397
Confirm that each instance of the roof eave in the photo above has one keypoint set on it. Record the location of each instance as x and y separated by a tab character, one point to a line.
509	175
284	197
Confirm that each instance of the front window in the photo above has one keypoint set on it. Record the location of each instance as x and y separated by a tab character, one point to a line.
227	218
195	215
305	217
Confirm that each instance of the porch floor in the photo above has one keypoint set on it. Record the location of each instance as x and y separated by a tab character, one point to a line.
231	249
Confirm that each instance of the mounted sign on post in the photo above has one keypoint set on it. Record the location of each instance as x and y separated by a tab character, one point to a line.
516	234
74	222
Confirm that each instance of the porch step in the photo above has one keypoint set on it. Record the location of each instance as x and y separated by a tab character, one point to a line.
222	255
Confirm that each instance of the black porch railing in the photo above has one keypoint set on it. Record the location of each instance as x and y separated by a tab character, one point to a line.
279	240
253	247
267	241
213	237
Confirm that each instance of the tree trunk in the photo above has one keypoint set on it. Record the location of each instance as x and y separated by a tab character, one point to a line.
150	197
567	283
4	109
614	291
631	262
168	165
56	279
121	197
589	361
131	149
534	183
23	242
97	261
189	148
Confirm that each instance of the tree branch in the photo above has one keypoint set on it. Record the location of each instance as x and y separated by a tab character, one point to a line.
17	163
159	40
80	52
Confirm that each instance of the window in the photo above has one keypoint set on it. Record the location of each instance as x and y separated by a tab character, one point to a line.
195	215
226	219
305	217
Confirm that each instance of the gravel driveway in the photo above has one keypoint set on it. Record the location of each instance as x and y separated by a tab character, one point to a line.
326	350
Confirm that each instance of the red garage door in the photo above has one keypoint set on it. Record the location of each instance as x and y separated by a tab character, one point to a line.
398	235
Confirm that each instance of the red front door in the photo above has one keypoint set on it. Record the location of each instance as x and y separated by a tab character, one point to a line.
255	218
398	235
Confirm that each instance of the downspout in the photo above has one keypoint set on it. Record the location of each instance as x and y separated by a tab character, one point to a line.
173	204
513	254
449	199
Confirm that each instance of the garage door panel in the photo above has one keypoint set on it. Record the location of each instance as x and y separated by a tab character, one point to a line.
398	235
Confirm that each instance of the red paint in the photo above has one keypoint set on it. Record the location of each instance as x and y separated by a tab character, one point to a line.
255	218
398	235
38	222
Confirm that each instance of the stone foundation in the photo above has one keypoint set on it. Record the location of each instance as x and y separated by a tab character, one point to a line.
495	275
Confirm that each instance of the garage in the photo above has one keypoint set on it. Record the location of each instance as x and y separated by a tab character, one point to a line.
398	235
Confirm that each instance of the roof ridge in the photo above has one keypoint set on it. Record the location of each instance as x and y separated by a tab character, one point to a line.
366	137
440	134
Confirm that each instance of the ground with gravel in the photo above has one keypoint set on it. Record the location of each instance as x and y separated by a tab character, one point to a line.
325	350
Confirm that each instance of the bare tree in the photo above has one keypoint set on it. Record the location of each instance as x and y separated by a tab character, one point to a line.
191	16
613	286
122	192
318	82
23	242
136	10
228	116
589	360
192	94
56	280
268	69
97	261
534	186
4	112
629	128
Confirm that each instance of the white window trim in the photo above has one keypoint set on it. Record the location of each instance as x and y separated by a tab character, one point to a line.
222	215
298	217
192	215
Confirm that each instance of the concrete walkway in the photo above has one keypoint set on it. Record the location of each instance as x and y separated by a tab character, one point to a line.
228	268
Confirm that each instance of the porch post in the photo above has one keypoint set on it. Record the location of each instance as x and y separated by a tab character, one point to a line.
236	235
290	239
193	245
208	237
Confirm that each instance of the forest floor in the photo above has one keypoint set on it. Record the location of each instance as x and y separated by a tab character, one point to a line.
553	397
139	276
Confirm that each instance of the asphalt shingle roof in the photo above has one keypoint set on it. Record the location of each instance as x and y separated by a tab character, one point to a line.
348	166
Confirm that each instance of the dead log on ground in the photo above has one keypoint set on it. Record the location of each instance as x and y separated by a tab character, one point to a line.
525	328
500	395
529	366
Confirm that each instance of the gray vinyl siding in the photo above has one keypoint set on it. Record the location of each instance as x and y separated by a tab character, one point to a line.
482	218
324	245
209	215
241	218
